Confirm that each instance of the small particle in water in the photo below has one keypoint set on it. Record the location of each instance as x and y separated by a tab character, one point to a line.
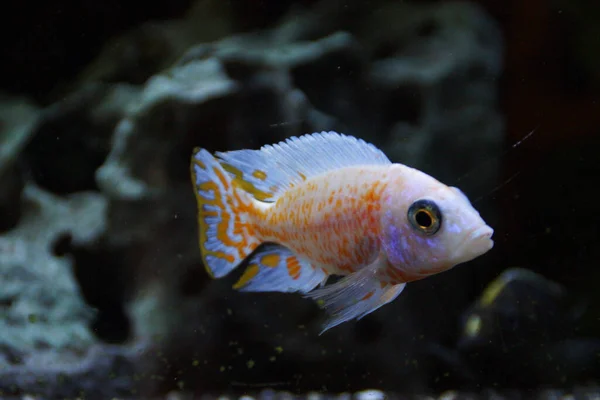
250	364
222	369
195	363
229	311
301	326
279	349
272	358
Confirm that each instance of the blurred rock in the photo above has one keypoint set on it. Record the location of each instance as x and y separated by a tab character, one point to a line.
42	313
153	46
521	332
149	130
517	308
104	372
540	394
73	137
18	118
421	82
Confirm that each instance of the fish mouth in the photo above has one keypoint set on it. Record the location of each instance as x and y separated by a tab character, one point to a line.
482	238
478	242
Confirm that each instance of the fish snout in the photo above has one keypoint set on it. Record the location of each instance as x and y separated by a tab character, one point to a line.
475	243
481	238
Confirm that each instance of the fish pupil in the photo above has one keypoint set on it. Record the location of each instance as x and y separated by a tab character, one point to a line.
424	219
424	215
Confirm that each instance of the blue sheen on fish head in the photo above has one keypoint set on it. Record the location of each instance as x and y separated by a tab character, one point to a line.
428	227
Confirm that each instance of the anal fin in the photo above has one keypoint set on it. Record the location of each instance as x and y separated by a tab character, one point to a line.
355	296
274	268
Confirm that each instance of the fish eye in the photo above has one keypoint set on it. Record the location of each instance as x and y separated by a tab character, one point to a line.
425	216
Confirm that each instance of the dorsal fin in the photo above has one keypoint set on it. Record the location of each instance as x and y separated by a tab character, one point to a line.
269	171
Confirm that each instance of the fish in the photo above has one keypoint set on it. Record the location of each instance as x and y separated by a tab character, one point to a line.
329	204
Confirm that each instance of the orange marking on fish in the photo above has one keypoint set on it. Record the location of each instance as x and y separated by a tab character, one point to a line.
367	296
258	174
224	181
199	163
346	268
245	185
207	186
402	276
223	225
393	274
315	228
203	227
270	260
247	276
293	267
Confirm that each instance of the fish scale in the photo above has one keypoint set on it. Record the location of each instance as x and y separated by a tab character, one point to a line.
316	211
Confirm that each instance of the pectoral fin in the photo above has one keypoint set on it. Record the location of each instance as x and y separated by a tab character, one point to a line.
355	295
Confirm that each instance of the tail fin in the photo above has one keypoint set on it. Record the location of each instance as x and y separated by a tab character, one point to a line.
224	220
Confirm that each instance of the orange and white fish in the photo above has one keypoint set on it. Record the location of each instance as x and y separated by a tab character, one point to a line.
329	204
